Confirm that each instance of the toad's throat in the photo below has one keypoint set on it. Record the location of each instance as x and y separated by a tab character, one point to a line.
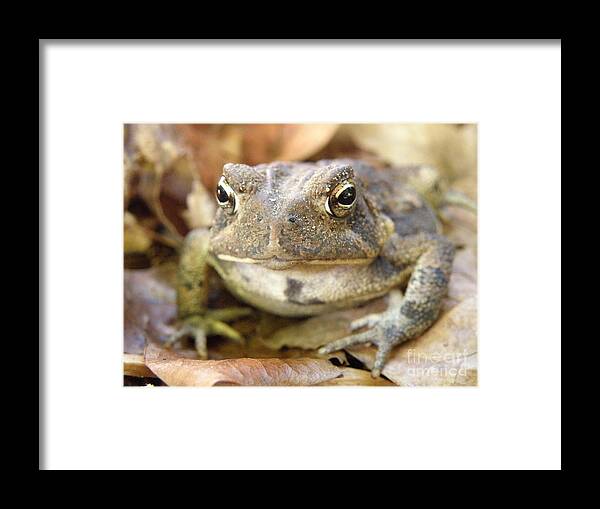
277	263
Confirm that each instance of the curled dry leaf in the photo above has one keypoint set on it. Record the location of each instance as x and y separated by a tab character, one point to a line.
179	371
444	355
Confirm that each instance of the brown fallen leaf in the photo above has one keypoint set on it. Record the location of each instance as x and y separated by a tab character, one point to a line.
133	365
312	333
463	279
461	226
343	146
211	146
178	371
444	355
255	348
452	148
149	307
353	376
263	143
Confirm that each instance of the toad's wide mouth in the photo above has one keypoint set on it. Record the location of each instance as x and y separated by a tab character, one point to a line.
276	263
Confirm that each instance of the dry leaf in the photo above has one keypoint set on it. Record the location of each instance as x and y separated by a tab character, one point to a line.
461	226
178	371
444	355
201	207
264	143
452	148
352	376
149	307
135	238
133	365
312	333
255	348
211	146
463	279
209	150
301	141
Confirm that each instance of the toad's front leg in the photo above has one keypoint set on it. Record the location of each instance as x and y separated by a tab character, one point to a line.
195	319
407	317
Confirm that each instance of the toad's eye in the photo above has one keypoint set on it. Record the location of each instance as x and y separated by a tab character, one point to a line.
341	200
226	197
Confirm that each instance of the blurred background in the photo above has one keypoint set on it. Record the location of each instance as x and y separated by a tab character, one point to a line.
172	169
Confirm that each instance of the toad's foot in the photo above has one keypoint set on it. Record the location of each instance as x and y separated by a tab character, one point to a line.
212	322
386	330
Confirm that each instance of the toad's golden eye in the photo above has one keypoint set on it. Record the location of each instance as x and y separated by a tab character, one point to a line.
226	197
341	200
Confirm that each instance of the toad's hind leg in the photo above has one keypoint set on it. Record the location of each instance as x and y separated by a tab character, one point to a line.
409	316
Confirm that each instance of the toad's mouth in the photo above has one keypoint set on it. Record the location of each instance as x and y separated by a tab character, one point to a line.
276	263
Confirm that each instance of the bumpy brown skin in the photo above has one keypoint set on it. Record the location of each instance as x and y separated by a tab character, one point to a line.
280	250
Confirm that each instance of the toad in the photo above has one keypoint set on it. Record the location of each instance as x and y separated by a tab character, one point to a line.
303	239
